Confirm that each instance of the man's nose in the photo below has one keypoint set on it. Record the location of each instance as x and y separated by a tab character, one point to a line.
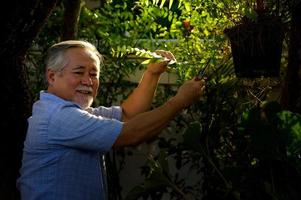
87	80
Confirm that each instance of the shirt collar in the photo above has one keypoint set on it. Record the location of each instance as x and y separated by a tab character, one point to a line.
44	95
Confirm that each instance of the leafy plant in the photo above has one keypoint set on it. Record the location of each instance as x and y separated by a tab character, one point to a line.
224	147
140	54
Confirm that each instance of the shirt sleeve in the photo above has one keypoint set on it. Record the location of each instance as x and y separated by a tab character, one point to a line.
114	112
73	127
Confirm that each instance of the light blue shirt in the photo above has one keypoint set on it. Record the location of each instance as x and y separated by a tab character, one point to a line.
61	155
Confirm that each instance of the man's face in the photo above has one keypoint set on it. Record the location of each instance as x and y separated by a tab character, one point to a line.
79	80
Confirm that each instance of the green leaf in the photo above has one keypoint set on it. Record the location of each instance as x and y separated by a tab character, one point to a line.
187	6
170	4
291	128
151	60
162	3
180	3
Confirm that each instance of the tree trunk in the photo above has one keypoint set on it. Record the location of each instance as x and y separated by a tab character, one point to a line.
291	96
22	24
71	17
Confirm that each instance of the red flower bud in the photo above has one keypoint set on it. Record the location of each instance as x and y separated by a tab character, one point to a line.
186	24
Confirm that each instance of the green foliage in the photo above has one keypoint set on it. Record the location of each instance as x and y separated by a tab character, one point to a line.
272	129
273	148
136	53
232	148
159	3
290	125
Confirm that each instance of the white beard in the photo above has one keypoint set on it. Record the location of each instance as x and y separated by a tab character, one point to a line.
84	101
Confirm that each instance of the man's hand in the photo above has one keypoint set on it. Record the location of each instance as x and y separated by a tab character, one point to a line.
158	68
166	54
190	92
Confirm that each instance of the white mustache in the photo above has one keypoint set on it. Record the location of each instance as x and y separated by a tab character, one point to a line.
84	88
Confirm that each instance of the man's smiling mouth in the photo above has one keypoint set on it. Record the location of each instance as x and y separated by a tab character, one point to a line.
84	91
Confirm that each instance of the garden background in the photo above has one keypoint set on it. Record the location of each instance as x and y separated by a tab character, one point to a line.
242	140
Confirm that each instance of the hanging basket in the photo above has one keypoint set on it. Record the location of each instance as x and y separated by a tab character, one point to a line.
257	47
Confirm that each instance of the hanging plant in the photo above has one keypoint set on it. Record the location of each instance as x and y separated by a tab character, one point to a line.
257	44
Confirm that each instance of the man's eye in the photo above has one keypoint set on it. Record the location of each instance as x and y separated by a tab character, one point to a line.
93	75
79	73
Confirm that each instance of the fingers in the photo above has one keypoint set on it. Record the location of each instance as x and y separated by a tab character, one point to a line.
198	78
201	81
166	54
162	63
191	91
158	68
201	84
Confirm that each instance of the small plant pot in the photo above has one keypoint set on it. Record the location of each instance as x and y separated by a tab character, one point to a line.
257	47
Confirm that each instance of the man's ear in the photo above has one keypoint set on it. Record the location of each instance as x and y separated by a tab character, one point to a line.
50	75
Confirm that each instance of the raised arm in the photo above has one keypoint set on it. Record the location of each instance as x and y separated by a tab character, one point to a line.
149	124
141	98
